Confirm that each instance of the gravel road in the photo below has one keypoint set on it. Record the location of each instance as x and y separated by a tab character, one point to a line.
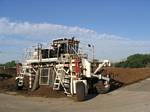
132	98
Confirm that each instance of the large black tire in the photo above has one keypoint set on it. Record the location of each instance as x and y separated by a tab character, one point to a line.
80	91
102	88
17	85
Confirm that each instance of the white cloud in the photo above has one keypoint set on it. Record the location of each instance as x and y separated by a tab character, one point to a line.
33	30
23	34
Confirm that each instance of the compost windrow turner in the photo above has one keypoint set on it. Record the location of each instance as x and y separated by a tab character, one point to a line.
62	66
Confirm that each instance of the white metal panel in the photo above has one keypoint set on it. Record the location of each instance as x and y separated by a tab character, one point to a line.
42	60
86	67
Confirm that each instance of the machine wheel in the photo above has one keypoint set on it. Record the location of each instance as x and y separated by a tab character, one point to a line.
18	87
102	87
80	91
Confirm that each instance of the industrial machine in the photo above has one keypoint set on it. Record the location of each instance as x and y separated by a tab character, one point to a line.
62	66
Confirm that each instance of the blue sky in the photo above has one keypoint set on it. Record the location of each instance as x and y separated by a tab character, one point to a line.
118	27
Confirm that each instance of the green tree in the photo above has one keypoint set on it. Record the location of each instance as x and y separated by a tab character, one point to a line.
9	64
135	61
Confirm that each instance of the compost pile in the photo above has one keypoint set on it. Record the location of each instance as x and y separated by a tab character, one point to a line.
8	85
128	75
124	76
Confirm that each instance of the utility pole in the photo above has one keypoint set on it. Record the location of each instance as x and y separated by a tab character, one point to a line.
93	51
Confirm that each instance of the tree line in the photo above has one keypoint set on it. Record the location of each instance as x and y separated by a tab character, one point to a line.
9	64
135	61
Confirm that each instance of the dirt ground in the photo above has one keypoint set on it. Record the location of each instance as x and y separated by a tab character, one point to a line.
44	91
121	76
132	98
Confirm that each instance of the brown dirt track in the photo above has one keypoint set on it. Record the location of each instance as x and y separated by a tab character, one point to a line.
120	75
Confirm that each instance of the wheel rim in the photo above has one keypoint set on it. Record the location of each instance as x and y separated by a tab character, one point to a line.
106	84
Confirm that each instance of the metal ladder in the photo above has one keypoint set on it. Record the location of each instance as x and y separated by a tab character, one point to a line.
58	79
